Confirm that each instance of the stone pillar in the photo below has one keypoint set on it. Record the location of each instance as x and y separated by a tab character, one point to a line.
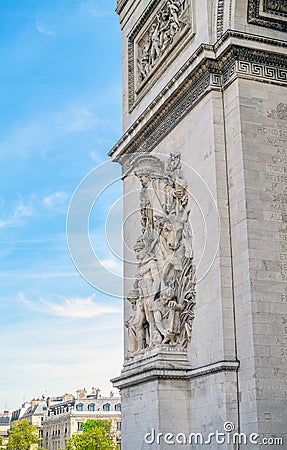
205	82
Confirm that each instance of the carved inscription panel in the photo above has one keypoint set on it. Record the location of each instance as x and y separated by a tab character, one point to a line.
271	206
275	177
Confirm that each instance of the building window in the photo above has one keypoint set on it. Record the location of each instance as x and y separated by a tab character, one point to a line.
80	426
80	407
107	407
119	426
118	407
91	407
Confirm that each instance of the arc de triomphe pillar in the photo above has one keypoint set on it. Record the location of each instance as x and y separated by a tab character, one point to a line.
204	160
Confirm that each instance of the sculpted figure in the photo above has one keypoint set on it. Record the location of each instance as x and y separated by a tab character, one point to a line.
155	44
135	324
165	39
157	196
144	61
164	28
166	314
174	6
148	284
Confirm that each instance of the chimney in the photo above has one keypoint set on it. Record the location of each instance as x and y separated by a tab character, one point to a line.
35	402
81	394
68	397
98	393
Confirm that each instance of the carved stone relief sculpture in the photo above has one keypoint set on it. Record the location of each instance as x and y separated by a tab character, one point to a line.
275	6
163	295
169	22
268	13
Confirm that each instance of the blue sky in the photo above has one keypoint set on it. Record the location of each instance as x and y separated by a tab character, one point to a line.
60	95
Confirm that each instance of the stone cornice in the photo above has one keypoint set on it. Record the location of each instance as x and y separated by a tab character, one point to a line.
127	379
120	5
210	67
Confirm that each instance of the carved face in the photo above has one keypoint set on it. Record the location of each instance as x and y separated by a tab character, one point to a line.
140	253
166	295
164	298
172	233
169	234
144	179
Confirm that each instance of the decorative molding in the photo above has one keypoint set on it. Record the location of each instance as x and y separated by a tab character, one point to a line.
268	13
120	5
254	64
162	27
172	113
221	366
140	375
211	73
220	17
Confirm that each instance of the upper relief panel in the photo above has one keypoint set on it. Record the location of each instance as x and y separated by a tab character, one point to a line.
268	13
162	31
166	42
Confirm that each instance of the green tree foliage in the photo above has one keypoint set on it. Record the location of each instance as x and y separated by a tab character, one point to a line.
96	435
1	441
22	436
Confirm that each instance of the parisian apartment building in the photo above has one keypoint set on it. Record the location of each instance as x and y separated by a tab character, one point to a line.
60	417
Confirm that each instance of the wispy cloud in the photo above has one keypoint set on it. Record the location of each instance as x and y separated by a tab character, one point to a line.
55	199
4	223
72	308
43	29
77	119
92	7
96	157
114	265
21	210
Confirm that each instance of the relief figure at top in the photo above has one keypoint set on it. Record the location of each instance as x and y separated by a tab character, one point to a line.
169	21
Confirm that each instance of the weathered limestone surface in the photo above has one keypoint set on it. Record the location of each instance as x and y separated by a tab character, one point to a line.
216	95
